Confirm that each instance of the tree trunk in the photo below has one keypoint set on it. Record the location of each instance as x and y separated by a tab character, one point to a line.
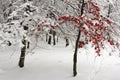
67	42
46	37
54	41
49	40
28	44
22	56
109	11
50	37
75	55
76	45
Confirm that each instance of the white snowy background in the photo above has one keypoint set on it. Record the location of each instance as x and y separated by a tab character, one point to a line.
48	62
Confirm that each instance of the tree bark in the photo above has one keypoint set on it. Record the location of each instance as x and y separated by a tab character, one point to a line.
50	37
22	56
54	41
28	44
109	11
49	40
76	44
46	37
75	55
67	42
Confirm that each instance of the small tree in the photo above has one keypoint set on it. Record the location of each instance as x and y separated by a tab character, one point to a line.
94	26
23	51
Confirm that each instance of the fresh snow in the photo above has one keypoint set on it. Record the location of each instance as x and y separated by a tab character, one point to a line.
55	63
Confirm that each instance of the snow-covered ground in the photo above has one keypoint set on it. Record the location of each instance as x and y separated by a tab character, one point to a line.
55	63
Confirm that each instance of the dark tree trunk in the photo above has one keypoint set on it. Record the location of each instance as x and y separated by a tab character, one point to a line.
75	55
50	37
76	44
49	40
109	11
22	56
54	41
67	42
28	44
46	37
